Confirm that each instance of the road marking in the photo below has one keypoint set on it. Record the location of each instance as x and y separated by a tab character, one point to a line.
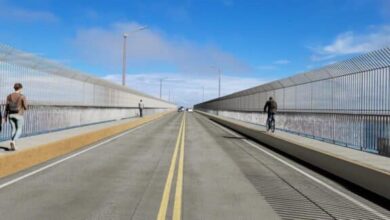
168	184
179	181
67	158
307	174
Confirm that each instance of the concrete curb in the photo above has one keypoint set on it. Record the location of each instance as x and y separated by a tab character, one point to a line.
368	177
25	158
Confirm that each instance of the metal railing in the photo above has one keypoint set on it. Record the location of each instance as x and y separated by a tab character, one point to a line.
347	103
61	98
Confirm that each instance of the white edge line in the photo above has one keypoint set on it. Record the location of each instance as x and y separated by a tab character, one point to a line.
307	175
68	157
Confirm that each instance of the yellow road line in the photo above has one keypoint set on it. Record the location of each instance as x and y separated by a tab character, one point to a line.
167	189
179	181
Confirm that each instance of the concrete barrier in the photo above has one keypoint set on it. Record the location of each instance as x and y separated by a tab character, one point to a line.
360	170
12	162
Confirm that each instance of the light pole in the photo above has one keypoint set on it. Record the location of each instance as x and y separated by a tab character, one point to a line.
124	60
125	35
219	87
161	88
203	94
219	79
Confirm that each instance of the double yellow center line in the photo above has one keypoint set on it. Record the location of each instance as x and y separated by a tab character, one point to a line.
179	147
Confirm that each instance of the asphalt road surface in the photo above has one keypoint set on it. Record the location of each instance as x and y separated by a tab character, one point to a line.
182	166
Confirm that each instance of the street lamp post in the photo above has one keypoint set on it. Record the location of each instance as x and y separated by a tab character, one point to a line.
124	60
203	94
124	53
161	88
219	79
219	82
219	86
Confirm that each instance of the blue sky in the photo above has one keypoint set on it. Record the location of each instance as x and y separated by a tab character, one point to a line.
251	41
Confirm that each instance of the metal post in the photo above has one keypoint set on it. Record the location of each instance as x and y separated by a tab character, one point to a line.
124	60
161	88
203	94
219	83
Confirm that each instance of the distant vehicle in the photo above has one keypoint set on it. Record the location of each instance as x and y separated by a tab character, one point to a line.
180	109
190	110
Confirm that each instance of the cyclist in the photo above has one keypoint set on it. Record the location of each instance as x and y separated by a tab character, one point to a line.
270	107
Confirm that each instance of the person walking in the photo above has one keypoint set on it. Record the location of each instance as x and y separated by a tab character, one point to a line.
141	108
15	107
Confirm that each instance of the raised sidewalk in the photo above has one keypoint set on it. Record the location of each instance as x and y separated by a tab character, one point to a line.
38	149
369	171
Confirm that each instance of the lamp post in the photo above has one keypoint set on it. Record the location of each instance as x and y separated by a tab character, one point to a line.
203	94
161	88
125	35
219	87
161	85
219	79
124	60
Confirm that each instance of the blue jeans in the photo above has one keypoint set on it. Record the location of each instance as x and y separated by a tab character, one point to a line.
17	123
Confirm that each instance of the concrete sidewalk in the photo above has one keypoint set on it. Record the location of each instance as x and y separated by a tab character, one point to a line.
369	171
37	149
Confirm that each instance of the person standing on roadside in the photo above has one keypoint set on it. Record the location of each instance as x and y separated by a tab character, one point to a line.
141	108
15	107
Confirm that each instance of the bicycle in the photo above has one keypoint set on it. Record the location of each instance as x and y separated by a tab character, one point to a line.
270	124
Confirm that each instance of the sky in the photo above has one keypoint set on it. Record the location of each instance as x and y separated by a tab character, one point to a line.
186	42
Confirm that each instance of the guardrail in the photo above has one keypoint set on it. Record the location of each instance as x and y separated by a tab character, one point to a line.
61	98
346	103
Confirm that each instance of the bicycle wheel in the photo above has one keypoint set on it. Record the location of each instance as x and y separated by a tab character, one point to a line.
273	126
267	125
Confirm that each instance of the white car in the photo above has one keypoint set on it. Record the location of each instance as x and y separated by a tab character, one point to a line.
190	110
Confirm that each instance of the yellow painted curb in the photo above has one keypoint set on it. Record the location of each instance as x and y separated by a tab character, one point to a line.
25	158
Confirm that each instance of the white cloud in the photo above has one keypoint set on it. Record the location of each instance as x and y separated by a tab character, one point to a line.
275	65
282	62
266	67
104	45
25	15
185	90
352	43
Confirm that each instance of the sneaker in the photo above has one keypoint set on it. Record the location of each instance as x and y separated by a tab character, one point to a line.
12	144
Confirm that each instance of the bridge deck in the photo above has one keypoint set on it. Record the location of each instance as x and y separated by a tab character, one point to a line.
224	176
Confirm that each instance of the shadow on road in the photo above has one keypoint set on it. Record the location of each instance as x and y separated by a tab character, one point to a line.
233	137
4	148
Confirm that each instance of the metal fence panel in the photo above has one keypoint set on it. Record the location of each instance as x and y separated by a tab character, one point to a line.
346	103
60	98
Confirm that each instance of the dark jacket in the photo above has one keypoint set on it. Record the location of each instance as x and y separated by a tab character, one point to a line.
270	106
